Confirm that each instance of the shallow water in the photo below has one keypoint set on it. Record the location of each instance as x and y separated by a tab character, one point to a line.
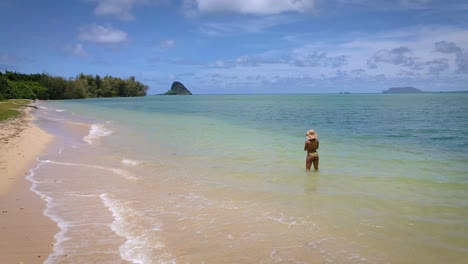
220	179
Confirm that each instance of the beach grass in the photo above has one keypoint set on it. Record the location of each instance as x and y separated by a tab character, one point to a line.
12	108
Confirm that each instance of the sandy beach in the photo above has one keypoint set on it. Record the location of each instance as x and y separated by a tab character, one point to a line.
26	234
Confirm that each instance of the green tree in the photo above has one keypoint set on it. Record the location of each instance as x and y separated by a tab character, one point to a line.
5	87
22	91
44	86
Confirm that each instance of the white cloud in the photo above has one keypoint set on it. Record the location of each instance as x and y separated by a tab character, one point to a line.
447	47
102	34
396	56
412	48
163	45
389	5
253	7
77	50
240	26
462	62
119	8
430	57
167	44
294	58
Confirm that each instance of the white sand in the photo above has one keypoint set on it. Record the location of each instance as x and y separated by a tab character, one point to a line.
26	234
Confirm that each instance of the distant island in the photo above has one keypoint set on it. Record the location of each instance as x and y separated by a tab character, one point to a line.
14	85
408	90
178	88
400	90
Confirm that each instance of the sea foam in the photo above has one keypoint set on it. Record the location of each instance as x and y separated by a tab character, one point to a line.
131	162
95	132
59	237
141	246
125	174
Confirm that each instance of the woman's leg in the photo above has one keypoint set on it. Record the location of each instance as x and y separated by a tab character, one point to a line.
316	161
308	162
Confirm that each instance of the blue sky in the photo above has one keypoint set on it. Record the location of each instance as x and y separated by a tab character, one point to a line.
243	46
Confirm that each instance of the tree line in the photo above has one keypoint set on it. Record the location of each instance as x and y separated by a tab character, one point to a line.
15	85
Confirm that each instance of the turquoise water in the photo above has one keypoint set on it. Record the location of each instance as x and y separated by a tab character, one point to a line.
225	175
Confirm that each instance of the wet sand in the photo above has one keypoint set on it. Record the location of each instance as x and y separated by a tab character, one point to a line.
26	234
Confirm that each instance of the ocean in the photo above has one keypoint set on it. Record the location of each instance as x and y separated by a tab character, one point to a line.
222	179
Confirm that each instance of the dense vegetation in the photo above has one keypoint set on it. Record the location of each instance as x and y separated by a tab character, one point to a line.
42	86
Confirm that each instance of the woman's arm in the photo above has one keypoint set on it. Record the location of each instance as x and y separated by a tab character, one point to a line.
306	145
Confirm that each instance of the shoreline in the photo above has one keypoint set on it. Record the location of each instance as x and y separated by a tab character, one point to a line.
27	235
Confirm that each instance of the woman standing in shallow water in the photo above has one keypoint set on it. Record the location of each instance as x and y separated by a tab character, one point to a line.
311	145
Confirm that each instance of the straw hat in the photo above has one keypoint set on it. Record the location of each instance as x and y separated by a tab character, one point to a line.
311	134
